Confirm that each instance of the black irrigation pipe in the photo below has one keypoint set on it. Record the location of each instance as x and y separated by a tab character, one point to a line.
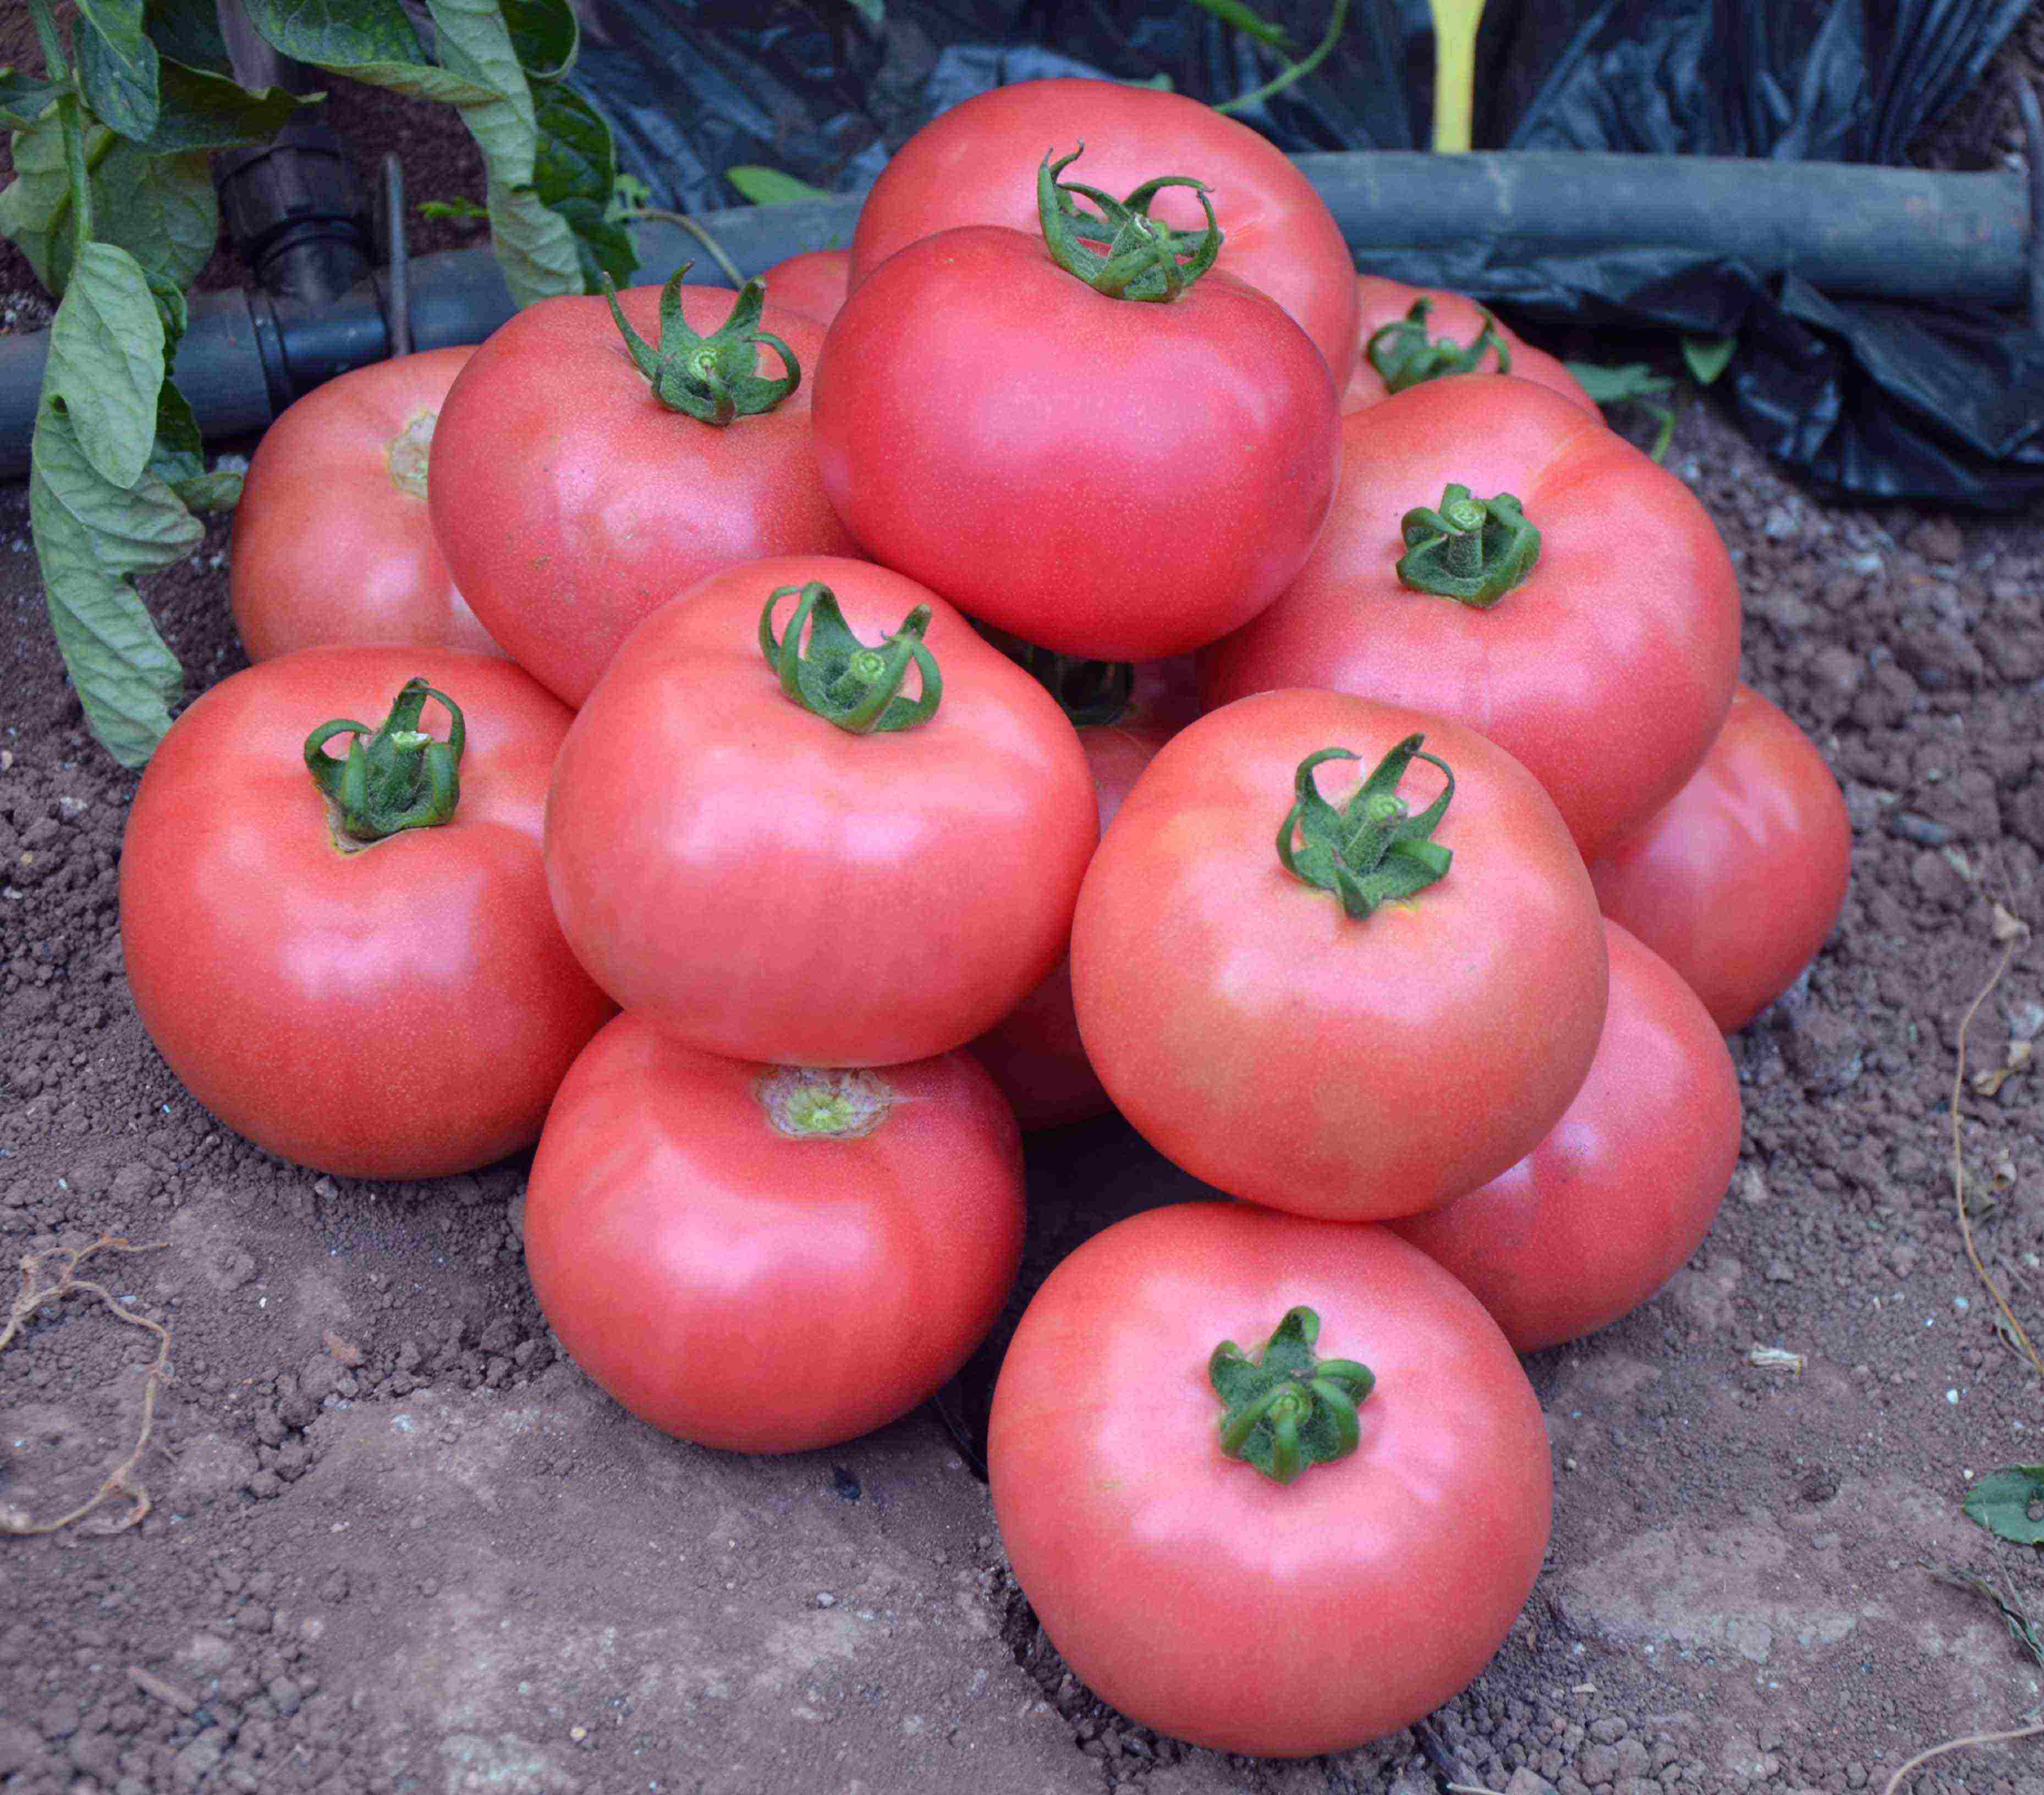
1897	233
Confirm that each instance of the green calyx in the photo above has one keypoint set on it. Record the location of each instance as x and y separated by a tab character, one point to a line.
1286	1409
1373	850
840	678
1473	550
1405	355
713	378
395	778
1146	259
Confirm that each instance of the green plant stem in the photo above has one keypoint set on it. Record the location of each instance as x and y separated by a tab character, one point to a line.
71	108
1293	72
725	265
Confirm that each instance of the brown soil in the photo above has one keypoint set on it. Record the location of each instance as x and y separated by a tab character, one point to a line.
399	1543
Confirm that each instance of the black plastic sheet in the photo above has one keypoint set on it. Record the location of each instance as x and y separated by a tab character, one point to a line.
1875	399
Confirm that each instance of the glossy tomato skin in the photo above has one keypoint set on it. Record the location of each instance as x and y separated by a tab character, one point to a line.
1739	881
1102	476
1608	673
1383	302
1351	1069
570	502
976	164
405	1011
332	542
1036	1054
763	885
757	1291
1607	1208
813	283
1195	1595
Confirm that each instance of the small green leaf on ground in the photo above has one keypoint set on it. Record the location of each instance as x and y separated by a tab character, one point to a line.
769	187
2011	1503
458	207
1708	356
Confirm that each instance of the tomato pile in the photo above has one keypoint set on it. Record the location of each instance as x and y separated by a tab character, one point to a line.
691	732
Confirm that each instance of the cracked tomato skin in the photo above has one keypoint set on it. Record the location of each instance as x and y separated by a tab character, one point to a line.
760	883
1607	672
1106	478
1740	880
1609	1206
1383	302
570	503
976	164
333	543
404	1011
813	283
1197	1595
751	1290
1349	1068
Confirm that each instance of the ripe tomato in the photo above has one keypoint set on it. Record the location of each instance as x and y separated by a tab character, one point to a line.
1603	1212
1036	1054
1301	1057
1192	1591
570	501
1460	331
762	883
976	164
402	1009
332	541
1738	881
1102	476
1607	670
766	1259
812	283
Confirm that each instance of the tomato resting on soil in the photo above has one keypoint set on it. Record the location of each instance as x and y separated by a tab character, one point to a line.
1102	473
396	1007
1740	880
766	1259
976	164
1606	1210
1189	1587
333	544
1378	1028
1496	556
570	499
1411	334
764	882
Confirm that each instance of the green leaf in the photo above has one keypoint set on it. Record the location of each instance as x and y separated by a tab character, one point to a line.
178	452
36	205
188	32
769	187
106	366
873	11
1707	356
2001	1503
476	46
162	209
545	35
220	490
460	206
204	111
575	174
121	91
118	23
534	245
92	539
23	100
369	40
1234	12
1614	386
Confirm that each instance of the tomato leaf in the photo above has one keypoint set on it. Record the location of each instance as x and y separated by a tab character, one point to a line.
118	25
188	32
121	89
575	173
23	99
1234	12
2001	1503
36	205
460	206
769	187
1707	356
204	111
534	245
92	539
105	365
162	209
545	36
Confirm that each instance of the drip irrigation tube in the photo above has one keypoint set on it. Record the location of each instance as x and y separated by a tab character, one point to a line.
1897	233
